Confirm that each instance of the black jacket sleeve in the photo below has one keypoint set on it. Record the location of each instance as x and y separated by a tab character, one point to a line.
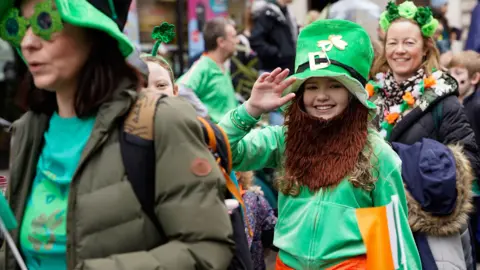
475	120
259	37
455	128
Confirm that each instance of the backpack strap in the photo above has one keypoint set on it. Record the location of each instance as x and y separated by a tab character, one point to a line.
138	152
212	145
212	140
140	120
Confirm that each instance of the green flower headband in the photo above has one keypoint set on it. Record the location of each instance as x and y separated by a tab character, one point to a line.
44	22
421	15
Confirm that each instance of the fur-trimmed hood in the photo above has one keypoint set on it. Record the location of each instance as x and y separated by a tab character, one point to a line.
421	221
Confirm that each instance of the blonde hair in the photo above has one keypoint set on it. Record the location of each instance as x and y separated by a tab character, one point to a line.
377	51
245	179
431	60
469	60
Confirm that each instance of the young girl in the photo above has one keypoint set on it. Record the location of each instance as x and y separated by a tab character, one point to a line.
342	201
261	219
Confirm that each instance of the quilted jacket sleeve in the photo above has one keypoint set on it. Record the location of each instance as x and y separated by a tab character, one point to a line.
455	128
188	205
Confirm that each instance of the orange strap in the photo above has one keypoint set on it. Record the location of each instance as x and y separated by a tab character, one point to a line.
232	188
212	141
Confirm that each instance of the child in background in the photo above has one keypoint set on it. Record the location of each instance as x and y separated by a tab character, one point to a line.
160	76
465	68
261	218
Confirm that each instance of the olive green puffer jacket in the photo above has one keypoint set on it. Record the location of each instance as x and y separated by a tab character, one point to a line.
106	228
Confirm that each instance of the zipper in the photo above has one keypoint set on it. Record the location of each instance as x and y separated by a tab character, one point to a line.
71	256
318	199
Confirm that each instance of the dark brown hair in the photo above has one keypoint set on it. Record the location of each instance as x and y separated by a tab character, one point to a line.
98	80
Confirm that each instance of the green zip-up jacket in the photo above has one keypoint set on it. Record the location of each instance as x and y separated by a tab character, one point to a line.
320	230
106	227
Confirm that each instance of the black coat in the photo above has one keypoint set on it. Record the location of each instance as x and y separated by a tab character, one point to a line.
272	37
472	109
451	125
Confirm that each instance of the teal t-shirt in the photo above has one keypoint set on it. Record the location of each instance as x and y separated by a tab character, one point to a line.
212	86
43	233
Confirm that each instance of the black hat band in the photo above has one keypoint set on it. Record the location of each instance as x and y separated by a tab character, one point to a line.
350	70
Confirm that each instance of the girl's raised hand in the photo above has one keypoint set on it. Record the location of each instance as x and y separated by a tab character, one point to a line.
267	92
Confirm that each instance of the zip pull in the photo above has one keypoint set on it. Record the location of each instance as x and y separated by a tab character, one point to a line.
112	8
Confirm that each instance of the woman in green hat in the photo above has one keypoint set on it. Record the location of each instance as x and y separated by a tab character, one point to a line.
342	202
68	188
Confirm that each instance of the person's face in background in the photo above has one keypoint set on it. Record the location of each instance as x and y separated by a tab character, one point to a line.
404	49
159	79
466	83
228	43
444	8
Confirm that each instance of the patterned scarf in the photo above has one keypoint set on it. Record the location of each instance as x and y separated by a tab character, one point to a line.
320	153
393	92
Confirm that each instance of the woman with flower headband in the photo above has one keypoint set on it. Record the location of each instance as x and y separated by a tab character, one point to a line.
75	204
416	100
341	199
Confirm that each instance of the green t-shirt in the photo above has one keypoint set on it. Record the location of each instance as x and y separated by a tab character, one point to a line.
212	86
43	234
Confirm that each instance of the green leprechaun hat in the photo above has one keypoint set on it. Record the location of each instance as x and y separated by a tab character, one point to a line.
338	49
108	16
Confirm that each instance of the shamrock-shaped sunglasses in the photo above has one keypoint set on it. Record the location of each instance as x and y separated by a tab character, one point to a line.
44	22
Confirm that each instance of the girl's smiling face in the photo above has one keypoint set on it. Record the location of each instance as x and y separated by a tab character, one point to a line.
325	97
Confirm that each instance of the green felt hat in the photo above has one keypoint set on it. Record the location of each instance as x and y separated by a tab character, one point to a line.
337	49
108	16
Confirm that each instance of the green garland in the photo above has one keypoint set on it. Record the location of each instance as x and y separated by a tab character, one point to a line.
421	15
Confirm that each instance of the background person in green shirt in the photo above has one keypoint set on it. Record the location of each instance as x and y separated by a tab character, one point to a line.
208	78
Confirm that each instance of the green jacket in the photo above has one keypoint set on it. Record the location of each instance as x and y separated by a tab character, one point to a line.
212	85
319	230
106	227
